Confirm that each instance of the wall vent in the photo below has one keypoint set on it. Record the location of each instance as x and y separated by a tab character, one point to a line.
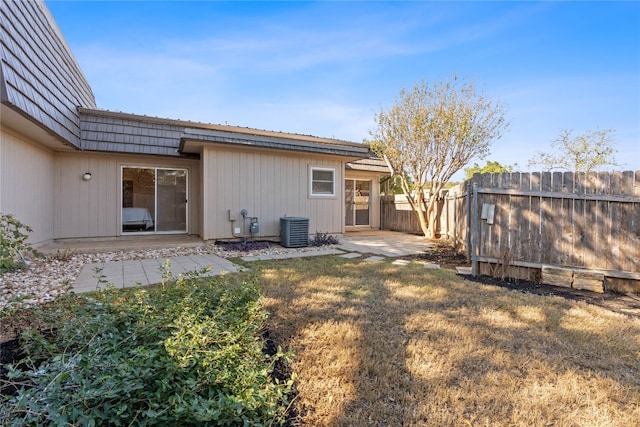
294	232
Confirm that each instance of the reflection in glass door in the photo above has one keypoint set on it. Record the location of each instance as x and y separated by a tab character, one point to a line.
171	185
357	202
154	200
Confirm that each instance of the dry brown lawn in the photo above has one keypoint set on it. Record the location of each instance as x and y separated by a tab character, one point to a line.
378	344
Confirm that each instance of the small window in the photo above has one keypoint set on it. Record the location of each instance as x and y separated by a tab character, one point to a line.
323	182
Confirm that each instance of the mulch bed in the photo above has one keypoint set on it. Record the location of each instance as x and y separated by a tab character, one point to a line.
448	257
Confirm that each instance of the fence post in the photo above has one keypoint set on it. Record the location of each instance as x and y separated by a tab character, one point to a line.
468	224
382	214
474	229
455	219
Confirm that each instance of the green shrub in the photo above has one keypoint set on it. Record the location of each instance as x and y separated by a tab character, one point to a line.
13	242
323	239
187	353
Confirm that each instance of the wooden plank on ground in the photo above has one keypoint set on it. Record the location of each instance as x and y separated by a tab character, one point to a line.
588	280
621	285
557	276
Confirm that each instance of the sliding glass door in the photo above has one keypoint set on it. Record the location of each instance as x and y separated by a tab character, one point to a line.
357	202
154	200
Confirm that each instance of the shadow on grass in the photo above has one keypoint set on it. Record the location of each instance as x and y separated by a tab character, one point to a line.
379	344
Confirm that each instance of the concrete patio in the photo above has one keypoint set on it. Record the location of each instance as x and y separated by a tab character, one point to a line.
150	271
126	274
384	243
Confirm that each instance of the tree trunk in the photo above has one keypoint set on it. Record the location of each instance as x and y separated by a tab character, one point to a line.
431	217
419	209
422	220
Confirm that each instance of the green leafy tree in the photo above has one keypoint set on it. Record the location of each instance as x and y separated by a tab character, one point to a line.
393	185
490	167
431	133
581	153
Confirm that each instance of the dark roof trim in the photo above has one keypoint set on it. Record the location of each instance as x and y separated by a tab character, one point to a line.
153	134
194	139
218	127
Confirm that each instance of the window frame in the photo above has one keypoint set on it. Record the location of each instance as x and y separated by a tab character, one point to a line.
312	169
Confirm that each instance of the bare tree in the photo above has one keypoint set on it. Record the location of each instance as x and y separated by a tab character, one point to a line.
430	134
582	153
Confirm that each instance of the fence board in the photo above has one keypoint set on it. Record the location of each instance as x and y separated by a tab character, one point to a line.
516	219
603	227
555	224
634	224
590	241
488	239
502	215
570	220
535	252
524	248
570	232
629	241
613	223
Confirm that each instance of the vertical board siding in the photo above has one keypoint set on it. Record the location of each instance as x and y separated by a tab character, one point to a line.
542	218
26	188
92	208
269	186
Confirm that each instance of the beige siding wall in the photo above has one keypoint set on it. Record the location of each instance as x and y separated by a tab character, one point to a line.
269	184
25	184
92	208
374	200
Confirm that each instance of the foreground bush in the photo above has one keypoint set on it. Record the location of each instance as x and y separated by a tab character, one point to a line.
13	242
185	354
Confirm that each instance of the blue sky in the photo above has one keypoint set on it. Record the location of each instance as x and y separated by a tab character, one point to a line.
325	68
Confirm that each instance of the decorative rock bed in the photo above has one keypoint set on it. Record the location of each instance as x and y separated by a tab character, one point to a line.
50	276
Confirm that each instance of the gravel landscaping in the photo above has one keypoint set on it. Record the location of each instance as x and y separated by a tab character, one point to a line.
53	275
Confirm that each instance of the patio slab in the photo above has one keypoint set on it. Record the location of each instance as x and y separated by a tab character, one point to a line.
351	255
384	243
379	244
464	270
123	274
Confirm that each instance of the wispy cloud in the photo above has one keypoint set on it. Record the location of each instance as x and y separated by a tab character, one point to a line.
322	68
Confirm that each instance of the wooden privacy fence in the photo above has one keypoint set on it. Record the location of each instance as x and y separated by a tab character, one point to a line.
572	229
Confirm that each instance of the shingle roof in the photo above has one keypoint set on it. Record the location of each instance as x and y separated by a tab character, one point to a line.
40	78
130	133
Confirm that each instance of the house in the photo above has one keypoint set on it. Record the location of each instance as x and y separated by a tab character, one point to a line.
71	170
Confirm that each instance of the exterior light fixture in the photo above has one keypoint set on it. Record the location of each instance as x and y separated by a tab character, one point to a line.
87	176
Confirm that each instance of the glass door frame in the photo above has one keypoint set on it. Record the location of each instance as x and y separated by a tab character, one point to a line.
354	211
155	196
